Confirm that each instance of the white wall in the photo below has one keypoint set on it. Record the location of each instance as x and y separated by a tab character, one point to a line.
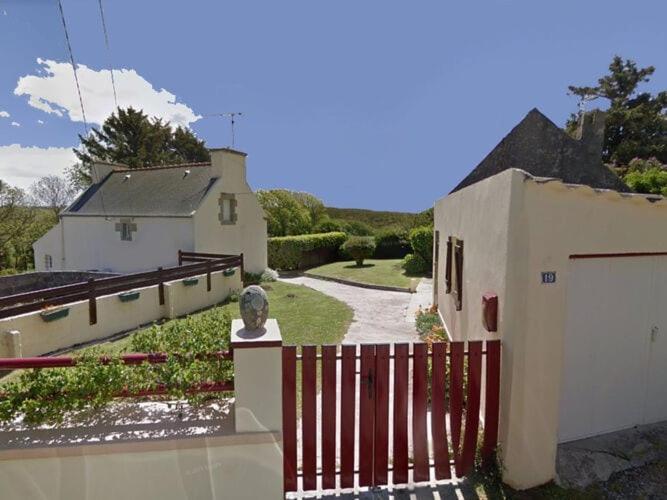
514	227
229	467
50	244
248	235
38	337
93	243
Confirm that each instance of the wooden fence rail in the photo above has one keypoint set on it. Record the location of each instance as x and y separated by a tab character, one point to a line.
21	303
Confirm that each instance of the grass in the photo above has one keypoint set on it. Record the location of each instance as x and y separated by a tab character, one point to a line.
385	272
305	316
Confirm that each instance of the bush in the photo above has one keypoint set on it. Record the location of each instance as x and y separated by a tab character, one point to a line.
392	244
286	252
41	396
360	248
414	264
328	226
421	240
356	228
428	322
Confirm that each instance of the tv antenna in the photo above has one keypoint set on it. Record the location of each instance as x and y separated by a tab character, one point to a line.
231	115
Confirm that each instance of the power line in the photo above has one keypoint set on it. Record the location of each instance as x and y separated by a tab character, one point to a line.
71	58
106	41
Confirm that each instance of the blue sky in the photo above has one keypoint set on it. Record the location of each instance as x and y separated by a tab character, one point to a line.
373	104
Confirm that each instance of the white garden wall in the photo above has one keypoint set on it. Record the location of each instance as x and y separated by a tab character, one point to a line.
38	337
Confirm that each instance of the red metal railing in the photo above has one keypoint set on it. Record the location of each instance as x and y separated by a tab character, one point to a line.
21	303
449	397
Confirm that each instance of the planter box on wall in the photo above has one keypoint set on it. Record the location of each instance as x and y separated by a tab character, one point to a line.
129	296
190	281
52	315
229	272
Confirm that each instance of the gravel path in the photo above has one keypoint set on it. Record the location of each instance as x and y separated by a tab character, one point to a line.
379	316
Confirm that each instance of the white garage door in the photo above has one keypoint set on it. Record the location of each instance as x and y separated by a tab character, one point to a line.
615	345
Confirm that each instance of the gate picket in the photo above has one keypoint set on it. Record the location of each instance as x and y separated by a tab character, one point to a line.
328	417
381	448
309	417
438	420
456	401
419	393
289	418
492	400
374	364
347	415
401	359
472	406
366	414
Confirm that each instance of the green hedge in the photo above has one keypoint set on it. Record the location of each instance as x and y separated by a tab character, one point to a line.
286	252
392	244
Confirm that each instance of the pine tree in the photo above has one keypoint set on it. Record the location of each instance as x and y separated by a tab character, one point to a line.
131	138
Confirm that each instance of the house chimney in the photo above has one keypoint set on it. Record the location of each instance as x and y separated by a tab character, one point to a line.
99	170
591	133
229	165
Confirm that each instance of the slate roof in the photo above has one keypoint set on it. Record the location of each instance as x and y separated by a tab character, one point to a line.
157	191
541	148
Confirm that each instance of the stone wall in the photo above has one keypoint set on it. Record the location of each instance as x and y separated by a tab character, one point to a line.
30	282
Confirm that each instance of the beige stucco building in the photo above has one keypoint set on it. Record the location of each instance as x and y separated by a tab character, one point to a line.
136	220
579	266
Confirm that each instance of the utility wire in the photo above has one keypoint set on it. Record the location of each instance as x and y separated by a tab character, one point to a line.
106	41
71	58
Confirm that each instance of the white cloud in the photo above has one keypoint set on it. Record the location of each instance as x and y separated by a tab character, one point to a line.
22	165
4	114
53	90
16	124
41	122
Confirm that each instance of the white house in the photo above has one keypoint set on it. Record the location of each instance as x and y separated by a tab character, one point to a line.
138	219
579	268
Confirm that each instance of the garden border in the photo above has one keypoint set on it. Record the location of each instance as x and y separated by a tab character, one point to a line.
385	288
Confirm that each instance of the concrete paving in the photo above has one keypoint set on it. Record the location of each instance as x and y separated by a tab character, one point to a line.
594	460
379	316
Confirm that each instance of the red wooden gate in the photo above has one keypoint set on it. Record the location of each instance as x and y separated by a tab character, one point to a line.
356	440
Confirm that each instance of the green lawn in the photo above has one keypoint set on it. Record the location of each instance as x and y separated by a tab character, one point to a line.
386	272
305	316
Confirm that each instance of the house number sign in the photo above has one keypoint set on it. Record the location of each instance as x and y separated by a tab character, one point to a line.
548	277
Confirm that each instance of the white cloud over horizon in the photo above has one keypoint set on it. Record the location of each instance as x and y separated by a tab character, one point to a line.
16	124
4	114
53	90
22	165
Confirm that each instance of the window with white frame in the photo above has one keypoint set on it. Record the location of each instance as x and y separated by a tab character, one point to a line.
227	213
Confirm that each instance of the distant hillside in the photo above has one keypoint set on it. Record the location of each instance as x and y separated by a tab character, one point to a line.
381	219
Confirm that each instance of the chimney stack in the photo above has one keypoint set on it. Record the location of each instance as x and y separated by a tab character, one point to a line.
229	164
591	132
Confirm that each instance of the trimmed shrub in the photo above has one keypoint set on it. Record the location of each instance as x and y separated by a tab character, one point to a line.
392	244
360	248
288	252
414	264
421	239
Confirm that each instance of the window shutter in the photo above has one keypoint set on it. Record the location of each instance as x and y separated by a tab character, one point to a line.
458	262
448	266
